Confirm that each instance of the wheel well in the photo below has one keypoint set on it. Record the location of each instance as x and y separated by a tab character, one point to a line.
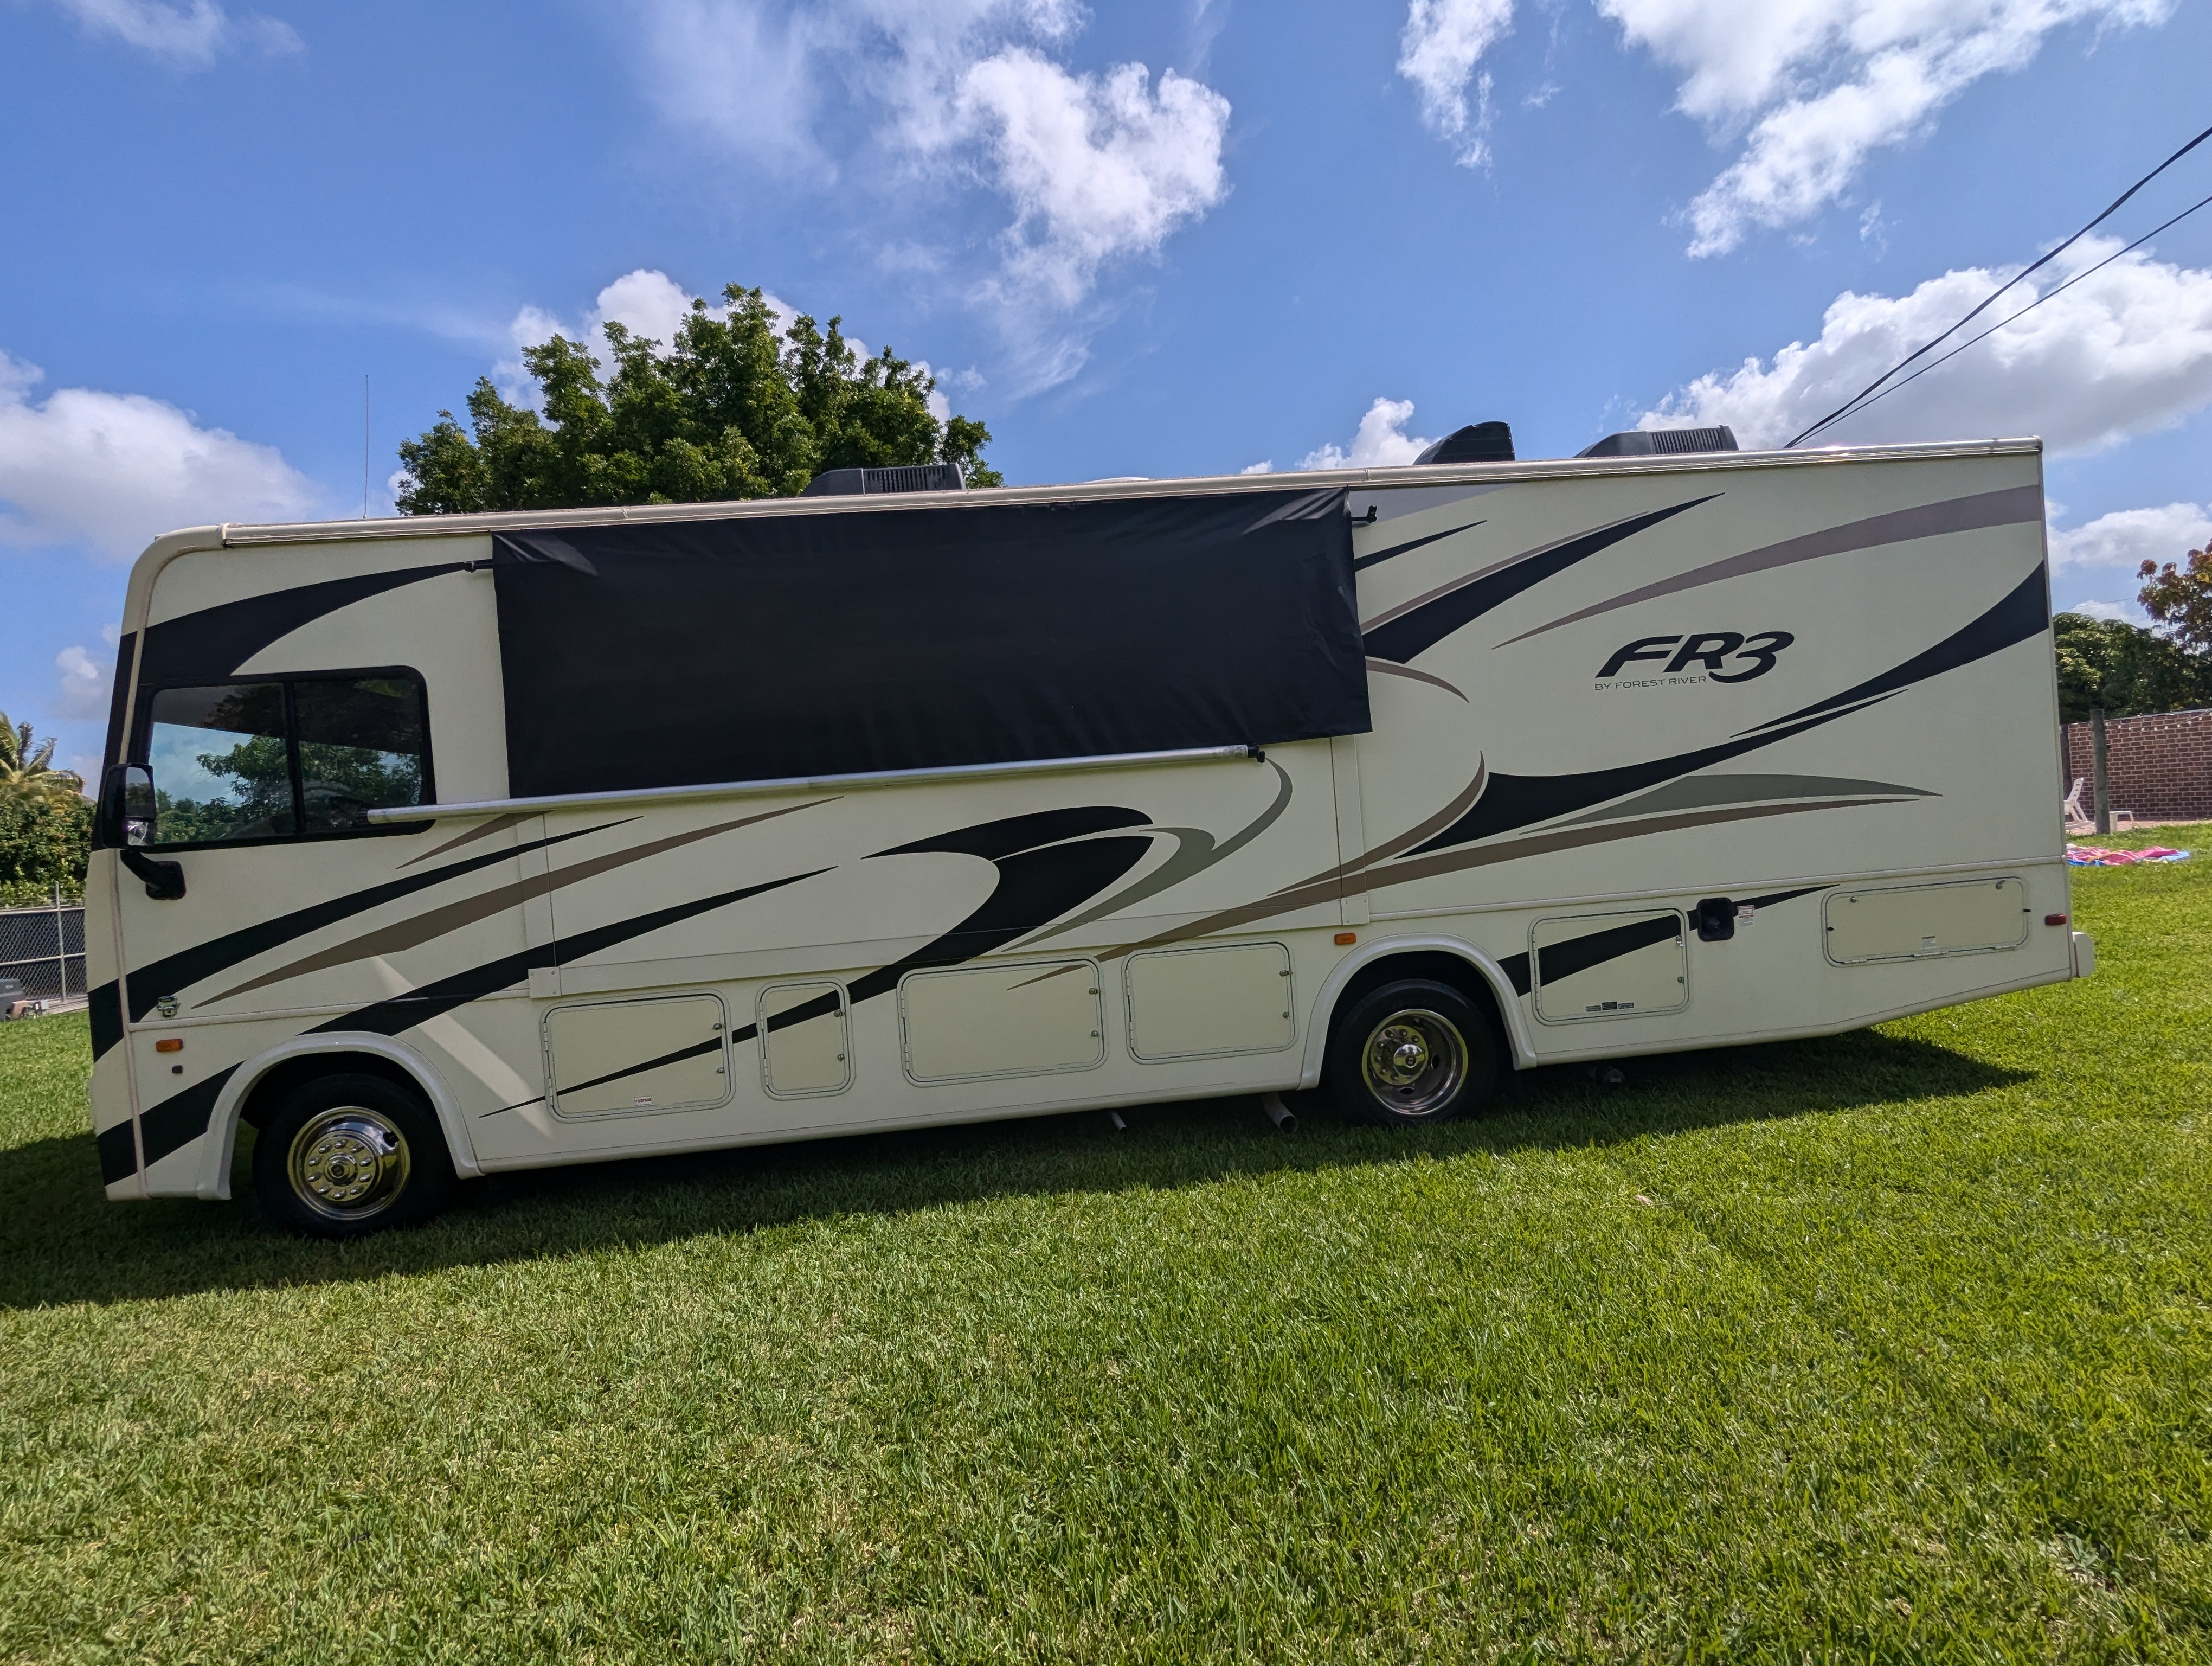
273	1089
1446	969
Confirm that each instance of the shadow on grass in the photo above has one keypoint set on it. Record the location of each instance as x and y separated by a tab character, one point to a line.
61	1241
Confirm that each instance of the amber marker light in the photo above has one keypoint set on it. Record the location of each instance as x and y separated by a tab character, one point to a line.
1344	938
170	1045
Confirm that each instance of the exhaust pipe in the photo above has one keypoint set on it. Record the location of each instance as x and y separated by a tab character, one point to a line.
1280	1115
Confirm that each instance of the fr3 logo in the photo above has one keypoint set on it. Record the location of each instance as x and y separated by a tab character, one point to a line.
1710	648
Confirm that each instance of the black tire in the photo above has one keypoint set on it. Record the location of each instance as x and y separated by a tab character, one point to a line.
348	1155
1411	1053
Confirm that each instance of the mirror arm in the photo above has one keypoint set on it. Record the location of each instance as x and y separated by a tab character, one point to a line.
165	881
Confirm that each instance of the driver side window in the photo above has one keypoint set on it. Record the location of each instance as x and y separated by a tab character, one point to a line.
245	762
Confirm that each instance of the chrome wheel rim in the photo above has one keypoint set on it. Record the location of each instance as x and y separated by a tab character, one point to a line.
1414	1061
347	1163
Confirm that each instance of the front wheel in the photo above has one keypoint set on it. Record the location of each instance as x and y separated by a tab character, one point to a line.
347	1155
1412	1052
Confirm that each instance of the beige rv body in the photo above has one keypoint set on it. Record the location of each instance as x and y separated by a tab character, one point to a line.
1896	852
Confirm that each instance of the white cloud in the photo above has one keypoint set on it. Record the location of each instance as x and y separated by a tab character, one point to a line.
83	691
1380	443
903	103
2106	610
2123	351
1265	467
1096	167
1821	84
185	38
2122	541
1437	51
111	471
1813	88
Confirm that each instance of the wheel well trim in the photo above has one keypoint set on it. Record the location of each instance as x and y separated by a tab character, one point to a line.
1333	987
220	1145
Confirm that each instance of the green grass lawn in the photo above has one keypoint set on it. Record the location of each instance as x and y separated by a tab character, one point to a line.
1895	1346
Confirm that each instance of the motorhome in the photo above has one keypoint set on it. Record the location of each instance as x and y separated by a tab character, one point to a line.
432	847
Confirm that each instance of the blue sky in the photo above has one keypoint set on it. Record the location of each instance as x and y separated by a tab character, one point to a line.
1175	238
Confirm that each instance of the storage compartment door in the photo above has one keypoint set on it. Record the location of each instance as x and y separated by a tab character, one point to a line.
805	1043
1609	965
1906	922
1188	1003
633	1058
1002	1021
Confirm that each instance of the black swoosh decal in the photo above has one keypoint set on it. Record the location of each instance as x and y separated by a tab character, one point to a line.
118	1152
1515	966
118	698
181	1118
1196	852
1380	556
398	1013
180	971
994	839
1405	632
1555	961
210	645
2024	613
1515	801
1035	887
419	928
104	1006
697	1049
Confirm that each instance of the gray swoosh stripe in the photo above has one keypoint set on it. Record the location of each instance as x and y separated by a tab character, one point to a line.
1698	791
2005	507
1196	852
436	922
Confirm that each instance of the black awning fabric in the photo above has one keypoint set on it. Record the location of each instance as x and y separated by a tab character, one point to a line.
682	653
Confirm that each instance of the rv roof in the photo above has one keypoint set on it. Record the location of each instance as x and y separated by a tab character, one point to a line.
1354	481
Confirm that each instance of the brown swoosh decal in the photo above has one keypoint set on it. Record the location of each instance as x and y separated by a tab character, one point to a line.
2004	508
1389	669
1452	861
436	922
1406	840
496	824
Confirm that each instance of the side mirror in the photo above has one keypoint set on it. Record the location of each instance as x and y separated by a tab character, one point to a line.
126	807
126	818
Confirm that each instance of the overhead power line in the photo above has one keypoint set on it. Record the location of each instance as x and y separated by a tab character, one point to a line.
2031	307
1868	394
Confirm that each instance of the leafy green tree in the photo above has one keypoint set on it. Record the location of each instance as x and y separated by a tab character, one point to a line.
26	769
45	822
729	410
2127	669
44	842
2178	595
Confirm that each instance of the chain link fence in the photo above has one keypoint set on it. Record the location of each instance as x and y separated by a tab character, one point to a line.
42	953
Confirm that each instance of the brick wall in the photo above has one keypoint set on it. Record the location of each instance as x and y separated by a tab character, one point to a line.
2159	767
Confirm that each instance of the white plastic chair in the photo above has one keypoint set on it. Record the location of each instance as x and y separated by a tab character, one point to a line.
2071	809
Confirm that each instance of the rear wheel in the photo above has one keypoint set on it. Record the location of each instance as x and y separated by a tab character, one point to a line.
1412	1052
347	1155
